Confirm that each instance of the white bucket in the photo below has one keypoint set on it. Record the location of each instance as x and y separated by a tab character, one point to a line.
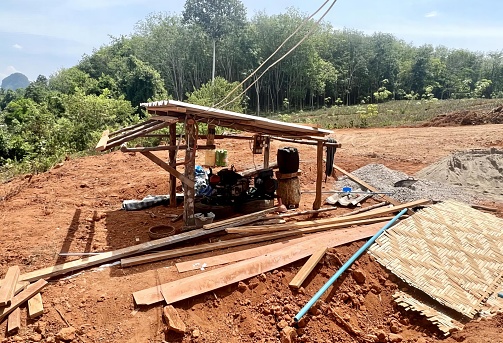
209	158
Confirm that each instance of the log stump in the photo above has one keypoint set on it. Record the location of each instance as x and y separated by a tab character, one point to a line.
289	189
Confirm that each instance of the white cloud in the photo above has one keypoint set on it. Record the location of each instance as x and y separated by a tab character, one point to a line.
17	46
431	14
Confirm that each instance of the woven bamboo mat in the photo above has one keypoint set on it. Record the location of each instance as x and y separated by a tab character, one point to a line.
450	251
433	313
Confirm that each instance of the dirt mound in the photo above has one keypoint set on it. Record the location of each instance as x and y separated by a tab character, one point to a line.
466	117
476	171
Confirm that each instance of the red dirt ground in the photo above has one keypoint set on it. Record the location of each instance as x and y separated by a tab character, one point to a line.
76	208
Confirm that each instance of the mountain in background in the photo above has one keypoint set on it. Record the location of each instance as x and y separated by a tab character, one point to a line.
15	81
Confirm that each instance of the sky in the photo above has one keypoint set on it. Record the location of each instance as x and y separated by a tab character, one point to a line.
41	37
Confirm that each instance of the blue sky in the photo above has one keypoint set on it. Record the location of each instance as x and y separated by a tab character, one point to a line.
40	37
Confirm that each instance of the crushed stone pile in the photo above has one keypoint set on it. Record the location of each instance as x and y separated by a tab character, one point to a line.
479	172
384	179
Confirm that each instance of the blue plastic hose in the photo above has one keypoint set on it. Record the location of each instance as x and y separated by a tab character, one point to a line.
346	265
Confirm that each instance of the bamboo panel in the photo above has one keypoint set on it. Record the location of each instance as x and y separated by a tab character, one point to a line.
450	251
435	315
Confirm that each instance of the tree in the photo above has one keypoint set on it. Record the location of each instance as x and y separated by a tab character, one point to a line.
217	18
216	91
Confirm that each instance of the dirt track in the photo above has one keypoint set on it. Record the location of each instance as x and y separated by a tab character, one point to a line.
76	208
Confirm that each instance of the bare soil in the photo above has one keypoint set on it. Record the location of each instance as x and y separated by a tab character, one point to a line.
76	208
466	117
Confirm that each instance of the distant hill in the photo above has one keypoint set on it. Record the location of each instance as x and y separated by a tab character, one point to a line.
15	81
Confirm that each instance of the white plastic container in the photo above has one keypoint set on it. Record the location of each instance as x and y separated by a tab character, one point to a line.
209	158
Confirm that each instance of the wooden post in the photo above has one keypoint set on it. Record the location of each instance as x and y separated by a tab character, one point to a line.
190	160
319	176
172	163
210	139
267	149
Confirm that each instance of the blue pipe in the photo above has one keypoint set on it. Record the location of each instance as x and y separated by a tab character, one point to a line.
346	265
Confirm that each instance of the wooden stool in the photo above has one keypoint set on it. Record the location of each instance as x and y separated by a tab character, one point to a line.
289	188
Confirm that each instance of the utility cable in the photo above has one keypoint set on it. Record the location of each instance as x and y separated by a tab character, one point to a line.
283	57
274	53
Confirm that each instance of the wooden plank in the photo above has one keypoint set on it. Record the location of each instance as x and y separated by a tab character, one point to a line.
366	185
307	268
128	137
22	297
245	219
128	128
359	216
267	151
124	148
365	209
189	192
173	320
35	306
168	168
103	141
301	213
132	130
166	119
201	283
246	230
9	285
67	267
14	321
319	176
21	285
212	261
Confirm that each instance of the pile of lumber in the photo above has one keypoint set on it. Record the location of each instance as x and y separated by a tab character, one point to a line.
15	293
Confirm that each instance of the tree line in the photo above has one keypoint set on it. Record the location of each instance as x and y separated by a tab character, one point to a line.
172	56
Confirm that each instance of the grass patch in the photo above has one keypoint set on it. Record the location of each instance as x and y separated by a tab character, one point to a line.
392	113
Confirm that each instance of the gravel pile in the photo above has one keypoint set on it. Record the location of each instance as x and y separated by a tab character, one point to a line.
384	179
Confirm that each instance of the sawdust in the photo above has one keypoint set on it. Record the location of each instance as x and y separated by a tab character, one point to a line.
479	172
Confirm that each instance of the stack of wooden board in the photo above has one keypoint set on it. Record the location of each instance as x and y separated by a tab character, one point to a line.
14	293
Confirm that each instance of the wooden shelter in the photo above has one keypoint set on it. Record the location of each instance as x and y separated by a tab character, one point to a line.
166	114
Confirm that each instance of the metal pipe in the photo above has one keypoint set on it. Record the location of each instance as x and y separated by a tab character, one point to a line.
346	265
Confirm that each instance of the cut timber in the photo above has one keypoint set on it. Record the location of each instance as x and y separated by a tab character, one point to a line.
301	213
22	297
365	209
220	277
9	285
237	256
164	255
21	285
173	320
168	168
307	268
241	220
319	176
311	223
67	267
366	185
103	141
303	229
35	306
14	321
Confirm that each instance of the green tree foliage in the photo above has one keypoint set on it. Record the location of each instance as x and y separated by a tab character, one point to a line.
214	92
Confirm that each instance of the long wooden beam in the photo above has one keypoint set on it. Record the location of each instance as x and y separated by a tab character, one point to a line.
164	148
68	267
241	220
168	168
307	268
319	175
133	129
103	141
158	125
128	128
311	223
9	285
204	282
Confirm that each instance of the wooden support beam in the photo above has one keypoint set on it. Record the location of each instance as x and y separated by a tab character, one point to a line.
366	185
22	297
166	119
189	192
35	306
267	150
9	285
128	128
307	268
303	141
365	209
157	126
172	163
169	169
124	148
220	277
133	129
103	141
14	321
301	213
319	176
